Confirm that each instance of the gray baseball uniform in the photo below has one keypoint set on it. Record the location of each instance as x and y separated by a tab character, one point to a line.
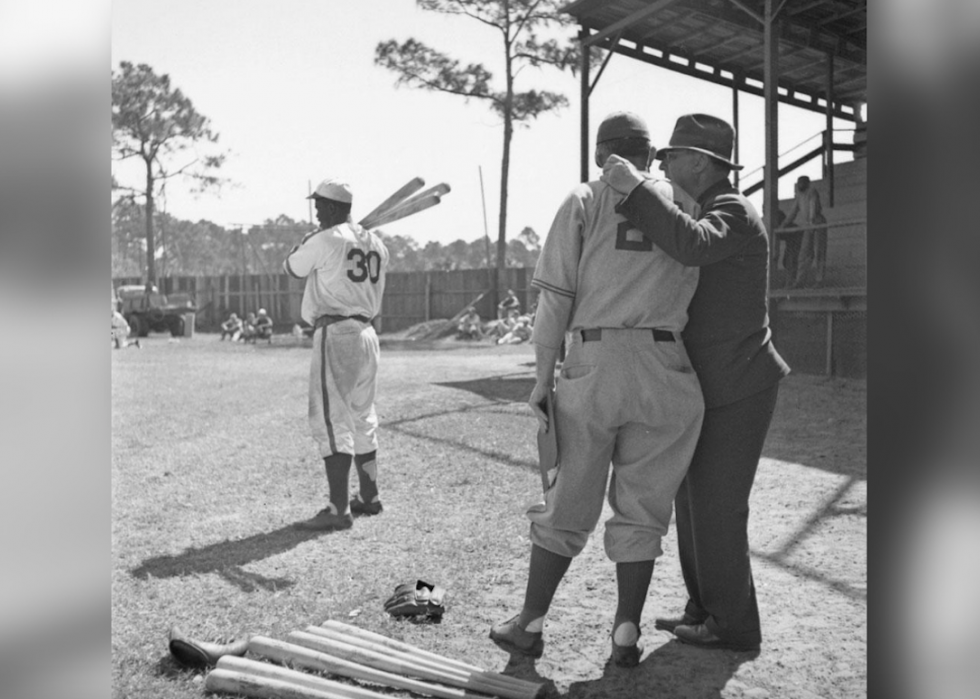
626	393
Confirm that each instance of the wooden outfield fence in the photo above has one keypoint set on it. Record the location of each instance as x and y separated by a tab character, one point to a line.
410	297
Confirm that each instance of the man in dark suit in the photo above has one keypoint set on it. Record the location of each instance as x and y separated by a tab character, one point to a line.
730	345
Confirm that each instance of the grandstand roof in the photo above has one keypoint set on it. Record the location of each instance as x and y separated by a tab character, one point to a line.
722	41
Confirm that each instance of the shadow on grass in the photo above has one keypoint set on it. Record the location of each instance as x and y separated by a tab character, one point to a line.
227	558
507	388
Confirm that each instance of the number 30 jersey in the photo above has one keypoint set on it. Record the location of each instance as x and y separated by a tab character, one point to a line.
344	267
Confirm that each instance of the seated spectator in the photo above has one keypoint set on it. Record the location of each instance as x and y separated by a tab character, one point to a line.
120	332
470	327
521	332
248	328
232	328
510	307
263	327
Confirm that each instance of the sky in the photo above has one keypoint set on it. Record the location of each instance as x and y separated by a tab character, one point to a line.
292	89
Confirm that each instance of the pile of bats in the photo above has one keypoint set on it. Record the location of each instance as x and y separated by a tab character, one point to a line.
405	202
348	651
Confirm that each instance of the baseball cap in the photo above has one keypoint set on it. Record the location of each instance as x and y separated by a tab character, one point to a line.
334	189
622	125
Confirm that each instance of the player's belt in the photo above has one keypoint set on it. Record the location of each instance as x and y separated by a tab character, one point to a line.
325	320
595	334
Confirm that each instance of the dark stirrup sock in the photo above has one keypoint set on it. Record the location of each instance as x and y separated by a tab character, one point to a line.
633	583
545	573
367	475
338	480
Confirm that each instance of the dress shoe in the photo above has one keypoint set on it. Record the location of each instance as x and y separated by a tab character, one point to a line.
513	639
700	636
670	623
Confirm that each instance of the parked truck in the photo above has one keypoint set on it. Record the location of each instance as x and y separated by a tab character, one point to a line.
150	311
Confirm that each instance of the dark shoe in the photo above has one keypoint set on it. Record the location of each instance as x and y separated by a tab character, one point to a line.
671	623
193	653
358	507
513	639
700	636
325	520
625	656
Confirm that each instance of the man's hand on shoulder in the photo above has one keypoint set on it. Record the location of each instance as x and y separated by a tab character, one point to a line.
621	175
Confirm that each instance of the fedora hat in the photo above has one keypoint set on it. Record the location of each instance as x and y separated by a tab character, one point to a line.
705	134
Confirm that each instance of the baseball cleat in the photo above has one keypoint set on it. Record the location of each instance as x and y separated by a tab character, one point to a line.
359	507
625	656
513	639
325	520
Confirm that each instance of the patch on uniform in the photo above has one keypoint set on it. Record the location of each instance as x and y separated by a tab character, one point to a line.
629	238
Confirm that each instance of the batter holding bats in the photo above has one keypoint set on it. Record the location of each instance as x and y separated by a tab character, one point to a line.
344	266
626	394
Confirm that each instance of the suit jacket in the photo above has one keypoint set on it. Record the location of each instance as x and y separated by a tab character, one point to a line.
727	334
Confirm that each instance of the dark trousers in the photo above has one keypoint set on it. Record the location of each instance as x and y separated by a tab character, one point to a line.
712	507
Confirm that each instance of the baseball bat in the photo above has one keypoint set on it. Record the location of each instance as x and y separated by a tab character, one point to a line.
438	190
358	632
249	685
398	197
413	654
392	661
298	656
413	207
277	673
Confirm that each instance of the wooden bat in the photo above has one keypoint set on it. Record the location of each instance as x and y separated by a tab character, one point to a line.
415	206
382	212
391	662
398	197
298	656
249	685
357	632
276	673
412	654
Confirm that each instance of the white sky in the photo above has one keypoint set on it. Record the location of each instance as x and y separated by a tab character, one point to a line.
292	88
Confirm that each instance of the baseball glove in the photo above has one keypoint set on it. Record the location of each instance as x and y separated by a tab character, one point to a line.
195	653
417	599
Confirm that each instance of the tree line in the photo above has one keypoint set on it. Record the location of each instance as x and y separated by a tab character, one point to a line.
203	248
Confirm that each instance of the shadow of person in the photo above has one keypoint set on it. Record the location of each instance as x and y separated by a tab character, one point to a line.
226	558
523	668
672	670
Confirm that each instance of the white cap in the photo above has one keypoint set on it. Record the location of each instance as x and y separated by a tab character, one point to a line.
333	189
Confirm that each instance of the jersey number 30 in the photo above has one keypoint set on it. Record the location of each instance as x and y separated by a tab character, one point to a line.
366	266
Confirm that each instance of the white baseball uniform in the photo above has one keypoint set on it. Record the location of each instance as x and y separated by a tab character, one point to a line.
344	267
626	393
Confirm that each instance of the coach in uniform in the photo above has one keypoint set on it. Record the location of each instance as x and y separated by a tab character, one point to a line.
626	394
344	267
731	347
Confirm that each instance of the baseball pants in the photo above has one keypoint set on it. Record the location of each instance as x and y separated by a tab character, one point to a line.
343	377
634	402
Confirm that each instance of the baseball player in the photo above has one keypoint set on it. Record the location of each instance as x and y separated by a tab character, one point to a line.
626	394
344	267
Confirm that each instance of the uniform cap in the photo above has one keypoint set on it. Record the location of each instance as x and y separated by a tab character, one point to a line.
334	189
705	134
622	125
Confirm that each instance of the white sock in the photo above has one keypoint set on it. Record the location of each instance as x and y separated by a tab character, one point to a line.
535	626
626	634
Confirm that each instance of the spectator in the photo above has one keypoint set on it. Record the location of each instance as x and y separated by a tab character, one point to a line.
232	328
521	332
263	327
509	307
120	332
248	328
813	242
469	326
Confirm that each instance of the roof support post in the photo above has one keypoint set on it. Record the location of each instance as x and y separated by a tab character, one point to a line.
828	155
770	202
583	35
738	133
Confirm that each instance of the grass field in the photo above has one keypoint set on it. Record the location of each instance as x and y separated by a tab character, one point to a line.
213	463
